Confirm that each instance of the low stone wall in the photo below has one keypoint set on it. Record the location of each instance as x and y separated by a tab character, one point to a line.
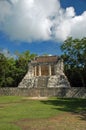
79	92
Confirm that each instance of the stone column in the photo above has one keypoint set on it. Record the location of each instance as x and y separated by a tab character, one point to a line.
35	71
32	71
50	73
39	70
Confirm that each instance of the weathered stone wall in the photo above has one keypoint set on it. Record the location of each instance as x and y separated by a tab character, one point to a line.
79	92
56	81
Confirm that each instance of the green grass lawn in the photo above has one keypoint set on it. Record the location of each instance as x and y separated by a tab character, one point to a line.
14	108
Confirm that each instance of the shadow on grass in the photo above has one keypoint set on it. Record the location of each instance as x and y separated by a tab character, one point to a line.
73	105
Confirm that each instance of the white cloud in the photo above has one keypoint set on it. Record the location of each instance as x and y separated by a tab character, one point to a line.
78	26
30	20
4	11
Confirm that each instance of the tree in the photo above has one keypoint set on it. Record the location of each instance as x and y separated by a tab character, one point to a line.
75	57
3	65
22	64
13	70
24	58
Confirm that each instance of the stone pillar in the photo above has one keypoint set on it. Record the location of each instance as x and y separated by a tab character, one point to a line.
39	70
32	71
35	71
50	73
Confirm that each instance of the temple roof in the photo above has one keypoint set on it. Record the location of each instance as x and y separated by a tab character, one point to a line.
45	59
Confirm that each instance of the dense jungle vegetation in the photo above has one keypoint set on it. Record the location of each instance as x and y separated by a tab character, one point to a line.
74	55
12	70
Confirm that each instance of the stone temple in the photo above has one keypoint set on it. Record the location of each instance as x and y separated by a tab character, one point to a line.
45	72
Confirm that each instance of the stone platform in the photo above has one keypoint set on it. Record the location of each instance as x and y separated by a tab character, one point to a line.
45	72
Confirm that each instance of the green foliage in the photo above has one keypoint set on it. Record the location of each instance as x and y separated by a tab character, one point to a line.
13	70
75	60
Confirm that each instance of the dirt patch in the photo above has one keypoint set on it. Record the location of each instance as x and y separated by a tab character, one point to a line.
66	121
36	98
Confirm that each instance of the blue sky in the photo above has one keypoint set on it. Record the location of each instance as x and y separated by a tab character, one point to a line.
41	40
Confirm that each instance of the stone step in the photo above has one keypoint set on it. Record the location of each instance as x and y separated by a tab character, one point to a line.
45	82
42	82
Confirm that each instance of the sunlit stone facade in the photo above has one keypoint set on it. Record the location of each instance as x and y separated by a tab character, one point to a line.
45	71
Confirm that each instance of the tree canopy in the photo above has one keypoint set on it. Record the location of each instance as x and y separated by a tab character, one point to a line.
12	70
74	55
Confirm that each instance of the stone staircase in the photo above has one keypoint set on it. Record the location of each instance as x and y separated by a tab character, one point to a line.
42	82
55	81
35	82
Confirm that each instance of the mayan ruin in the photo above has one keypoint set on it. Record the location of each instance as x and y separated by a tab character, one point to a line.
45	72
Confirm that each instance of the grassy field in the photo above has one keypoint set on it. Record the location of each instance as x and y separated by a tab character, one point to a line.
19	113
